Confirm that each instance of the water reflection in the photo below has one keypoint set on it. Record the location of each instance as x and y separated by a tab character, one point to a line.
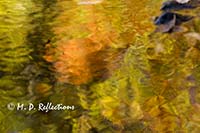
96	55
48	45
90	40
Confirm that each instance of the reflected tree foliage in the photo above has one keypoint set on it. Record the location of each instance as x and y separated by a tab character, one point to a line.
103	58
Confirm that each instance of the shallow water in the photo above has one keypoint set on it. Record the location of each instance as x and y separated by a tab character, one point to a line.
102	57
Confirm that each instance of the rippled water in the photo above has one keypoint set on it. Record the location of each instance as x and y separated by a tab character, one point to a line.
97	56
36	34
48	46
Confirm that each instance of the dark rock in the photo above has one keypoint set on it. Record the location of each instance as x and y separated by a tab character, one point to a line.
169	22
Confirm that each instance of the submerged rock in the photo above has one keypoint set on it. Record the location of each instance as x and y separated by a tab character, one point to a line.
170	22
